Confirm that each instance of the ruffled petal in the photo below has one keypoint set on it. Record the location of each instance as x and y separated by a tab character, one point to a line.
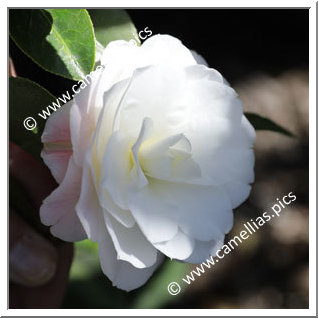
122	58
116	167
180	247
88	208
217	118
121	273
158	48
238	192
199	58
57	161
57	142
129	277
202	212
84	113
58	209
130	244
203	250
57	127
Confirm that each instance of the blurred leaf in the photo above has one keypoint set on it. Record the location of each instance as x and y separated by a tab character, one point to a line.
113	24
90	288
26	99
262	123
155	293
86	261
59	40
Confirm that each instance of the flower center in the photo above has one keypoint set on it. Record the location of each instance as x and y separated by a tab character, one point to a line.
165	159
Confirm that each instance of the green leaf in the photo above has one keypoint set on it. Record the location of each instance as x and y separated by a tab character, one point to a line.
60	40
262	123
113	24
86	261
155	293
27	99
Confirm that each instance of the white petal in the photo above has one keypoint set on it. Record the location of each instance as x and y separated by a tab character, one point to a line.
137	172
169	159
88	208
86	107
105	200
202	72
58	209
121	273
167	112
199	58
202	212
115	177
159	48
179	247
122	57
130	244
129	277
107	253
203	250
215	118
122	216
238	192
112	100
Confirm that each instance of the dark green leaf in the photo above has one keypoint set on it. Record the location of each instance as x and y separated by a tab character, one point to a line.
262	123
27	99
113	24
59	40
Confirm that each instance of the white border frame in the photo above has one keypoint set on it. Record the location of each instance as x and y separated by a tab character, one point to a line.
312	161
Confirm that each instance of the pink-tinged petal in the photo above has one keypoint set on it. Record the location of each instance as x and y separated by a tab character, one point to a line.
84	113
58	209
57	127
57	142
69	229
82	127
57	162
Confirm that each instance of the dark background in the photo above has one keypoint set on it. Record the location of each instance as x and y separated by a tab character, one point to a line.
237	42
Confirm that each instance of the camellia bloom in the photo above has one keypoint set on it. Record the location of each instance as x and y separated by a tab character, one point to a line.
151	158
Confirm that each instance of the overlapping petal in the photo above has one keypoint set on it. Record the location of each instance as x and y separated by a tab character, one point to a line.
160	155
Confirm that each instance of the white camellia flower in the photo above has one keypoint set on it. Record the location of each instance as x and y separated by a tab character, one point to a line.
151	159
